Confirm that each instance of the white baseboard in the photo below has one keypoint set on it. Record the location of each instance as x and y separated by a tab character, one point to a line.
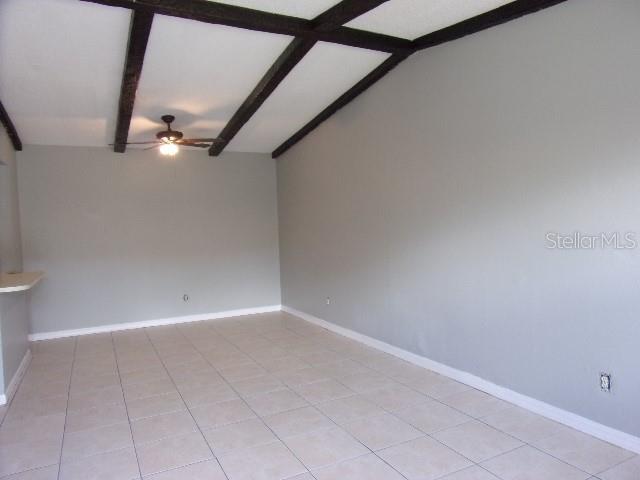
153	323
15	381
565	417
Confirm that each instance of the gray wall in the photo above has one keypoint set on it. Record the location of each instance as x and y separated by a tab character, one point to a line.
421	209
14	307
14	331
10	245
123	237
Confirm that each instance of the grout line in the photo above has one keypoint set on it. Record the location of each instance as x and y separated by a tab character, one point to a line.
126	407
242	399
331	420
349	433
318	336
472	418
66	412
188	410
479	420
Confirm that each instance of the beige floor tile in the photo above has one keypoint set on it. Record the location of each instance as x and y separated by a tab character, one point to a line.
172	453
118	465
325	447
36	407
302	476
527	463
265	462
162	426
249	433
198	396
300	377
296	422
477	441
222	359
99	440
320	357
46	473
222	413
348	409
144	376
275	402
197	379
382	431
522	424
242	372
136	391
395	398
438	386
432	416
277	365
343	368
48	389
26	430
367	382
471	473
18	457
322	391
389	365
209	470
423	459
96	417
367	467
287	363
627	470
96	398
181	357
475	403
157	405
257	385
409	374
93	383
86	371
133	364
583	451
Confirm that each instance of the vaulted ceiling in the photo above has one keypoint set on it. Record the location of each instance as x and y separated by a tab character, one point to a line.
62	62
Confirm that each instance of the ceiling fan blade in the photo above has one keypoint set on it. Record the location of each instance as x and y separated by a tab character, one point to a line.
133	143
197	140
195	144
151	148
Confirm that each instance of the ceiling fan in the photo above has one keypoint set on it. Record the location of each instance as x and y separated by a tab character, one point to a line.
169	141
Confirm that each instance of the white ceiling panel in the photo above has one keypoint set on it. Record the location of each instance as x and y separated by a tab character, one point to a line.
200	73
414	18
315	82
61	67
296	8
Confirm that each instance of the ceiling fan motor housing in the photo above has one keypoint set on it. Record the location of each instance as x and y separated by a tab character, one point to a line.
169	136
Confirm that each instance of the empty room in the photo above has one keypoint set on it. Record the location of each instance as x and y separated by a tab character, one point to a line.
319	240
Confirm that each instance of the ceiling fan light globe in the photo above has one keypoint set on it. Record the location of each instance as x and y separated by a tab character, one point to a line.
169	149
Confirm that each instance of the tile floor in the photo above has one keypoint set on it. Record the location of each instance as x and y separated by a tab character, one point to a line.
269	397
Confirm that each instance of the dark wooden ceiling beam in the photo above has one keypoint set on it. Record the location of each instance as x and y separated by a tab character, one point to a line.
331	19
373	76
247	18
141	22
498	16
10	128
286	62
343	12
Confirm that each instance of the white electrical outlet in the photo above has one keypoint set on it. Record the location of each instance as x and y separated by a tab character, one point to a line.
328	300
605	382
